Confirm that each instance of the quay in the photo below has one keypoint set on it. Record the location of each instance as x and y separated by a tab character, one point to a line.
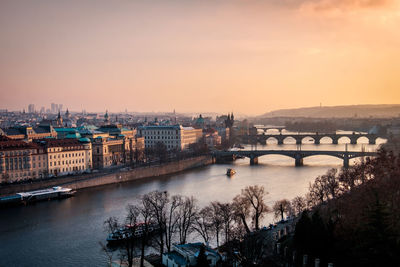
118	176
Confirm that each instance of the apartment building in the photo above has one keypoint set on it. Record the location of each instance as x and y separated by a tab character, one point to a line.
174	137
20	160
67	156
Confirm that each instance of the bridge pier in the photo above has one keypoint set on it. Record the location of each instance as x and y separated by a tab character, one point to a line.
353	141
280	141
371	141
317	141
335	141
346	161
253	160
298	160
298	141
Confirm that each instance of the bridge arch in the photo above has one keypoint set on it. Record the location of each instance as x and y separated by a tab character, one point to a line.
289	138
364	139
342	138
307	138
326	139
272	138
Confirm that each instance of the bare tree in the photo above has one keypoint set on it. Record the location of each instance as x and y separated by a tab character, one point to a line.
111	224
282	207
127	249
227	219
109	254
146	216
171	220
298	205
216	219
255	196
203	223
316	192
186	214
331	183
241	210
131	243
157	202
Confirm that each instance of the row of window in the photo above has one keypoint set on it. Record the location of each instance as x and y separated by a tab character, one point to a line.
67	162
158	132
67	155
68	169
58	149
19	152
165	142
161	137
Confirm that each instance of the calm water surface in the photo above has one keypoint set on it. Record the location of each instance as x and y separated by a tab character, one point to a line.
67	232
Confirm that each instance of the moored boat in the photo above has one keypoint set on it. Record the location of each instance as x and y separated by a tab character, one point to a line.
131	231
56	192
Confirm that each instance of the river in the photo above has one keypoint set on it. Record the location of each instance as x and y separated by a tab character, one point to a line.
67	232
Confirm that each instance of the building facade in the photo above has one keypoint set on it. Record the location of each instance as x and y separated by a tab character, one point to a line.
113	151
29	133
174	137
20	160
67	156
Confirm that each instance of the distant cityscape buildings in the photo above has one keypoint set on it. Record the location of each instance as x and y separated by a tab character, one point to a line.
36	145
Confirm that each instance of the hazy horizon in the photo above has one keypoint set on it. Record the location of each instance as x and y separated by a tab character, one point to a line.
246	57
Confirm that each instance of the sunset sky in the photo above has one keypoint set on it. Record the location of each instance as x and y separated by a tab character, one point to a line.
244	56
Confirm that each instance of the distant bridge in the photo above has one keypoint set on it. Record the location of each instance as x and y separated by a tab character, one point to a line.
316	137
298	155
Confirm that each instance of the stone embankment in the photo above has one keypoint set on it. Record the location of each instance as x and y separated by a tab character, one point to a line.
119	176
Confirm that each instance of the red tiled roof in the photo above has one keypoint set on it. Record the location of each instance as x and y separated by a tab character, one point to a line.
60	142
16	144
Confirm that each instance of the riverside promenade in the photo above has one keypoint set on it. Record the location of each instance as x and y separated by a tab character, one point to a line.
110	176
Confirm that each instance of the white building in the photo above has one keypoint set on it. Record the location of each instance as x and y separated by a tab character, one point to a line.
186	255
174	137
68	156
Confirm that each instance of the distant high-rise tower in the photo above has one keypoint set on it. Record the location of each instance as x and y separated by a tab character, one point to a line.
31	108
53	108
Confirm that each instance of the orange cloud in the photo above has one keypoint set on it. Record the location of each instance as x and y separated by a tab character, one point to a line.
343	5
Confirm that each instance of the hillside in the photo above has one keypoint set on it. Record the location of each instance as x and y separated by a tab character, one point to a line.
361	111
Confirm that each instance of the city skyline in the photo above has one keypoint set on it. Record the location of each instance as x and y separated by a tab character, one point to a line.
248	57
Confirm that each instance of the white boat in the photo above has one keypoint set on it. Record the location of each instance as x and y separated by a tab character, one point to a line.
45	194
230	172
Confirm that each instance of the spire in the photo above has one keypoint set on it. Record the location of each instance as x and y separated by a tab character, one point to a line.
106	116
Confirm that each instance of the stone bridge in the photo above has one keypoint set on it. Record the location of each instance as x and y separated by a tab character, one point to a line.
316	137
298	155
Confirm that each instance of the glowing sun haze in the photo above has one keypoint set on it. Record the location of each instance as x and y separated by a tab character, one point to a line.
244	56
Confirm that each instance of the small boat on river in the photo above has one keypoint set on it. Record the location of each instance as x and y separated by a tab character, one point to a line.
131	232
230	172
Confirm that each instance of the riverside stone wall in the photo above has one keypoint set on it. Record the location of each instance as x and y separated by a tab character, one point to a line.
85	181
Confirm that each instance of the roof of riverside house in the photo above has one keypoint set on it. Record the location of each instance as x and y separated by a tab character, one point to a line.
60	142
176	257
16	144
194	249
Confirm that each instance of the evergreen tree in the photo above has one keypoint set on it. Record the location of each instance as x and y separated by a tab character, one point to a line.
202	258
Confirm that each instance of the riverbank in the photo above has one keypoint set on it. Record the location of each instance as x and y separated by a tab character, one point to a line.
119	176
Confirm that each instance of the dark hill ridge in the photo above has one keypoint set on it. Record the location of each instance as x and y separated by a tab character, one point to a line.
361	111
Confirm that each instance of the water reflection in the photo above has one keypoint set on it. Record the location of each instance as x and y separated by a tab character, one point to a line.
66	232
